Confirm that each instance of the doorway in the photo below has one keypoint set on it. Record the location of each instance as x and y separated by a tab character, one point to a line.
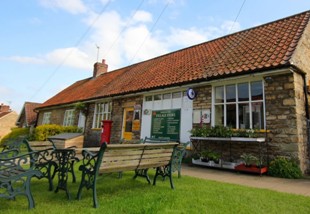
127	123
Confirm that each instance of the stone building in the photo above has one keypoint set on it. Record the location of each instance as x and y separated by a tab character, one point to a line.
252	79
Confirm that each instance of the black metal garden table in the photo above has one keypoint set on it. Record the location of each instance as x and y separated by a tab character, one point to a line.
65	159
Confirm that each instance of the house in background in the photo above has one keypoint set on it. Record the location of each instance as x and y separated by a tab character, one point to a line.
27	116
252	79
7	120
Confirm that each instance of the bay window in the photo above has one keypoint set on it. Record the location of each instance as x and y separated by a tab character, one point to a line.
239	105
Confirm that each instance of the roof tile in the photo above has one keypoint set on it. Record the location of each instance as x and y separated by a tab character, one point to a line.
263	47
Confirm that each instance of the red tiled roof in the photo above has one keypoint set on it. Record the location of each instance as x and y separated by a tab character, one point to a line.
257	49
31	115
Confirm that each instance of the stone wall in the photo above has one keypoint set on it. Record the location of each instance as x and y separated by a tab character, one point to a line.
285	120
57	116
203	99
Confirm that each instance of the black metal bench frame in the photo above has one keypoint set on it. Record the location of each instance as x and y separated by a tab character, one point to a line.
15	175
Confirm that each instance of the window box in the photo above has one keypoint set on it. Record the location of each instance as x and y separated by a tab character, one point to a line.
251	169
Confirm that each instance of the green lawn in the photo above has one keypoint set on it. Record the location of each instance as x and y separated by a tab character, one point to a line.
191	195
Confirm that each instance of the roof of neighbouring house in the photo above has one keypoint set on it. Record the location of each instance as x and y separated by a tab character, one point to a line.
29	113
257	49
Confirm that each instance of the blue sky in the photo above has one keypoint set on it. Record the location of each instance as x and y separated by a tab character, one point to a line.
47	45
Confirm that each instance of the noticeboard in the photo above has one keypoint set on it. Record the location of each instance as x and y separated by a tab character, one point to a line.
166	124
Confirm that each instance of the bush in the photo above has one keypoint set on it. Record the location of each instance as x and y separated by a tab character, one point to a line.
284	167
44	131
15	134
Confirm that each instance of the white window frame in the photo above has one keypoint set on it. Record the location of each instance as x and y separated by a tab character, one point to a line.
69	117
46	118
250	102
102	112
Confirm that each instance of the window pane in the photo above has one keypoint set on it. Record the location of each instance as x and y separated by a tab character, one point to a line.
244	116
231	115
102	112
219	115
148	98
167	96
157	97
176	95
257	90
257	115
46	118
243	92
219	94
230	93
68	118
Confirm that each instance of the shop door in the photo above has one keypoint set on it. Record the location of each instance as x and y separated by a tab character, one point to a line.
127	123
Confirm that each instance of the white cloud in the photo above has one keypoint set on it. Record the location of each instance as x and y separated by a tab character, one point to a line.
71	6
72	57
230	27
142	16
186	37
139	44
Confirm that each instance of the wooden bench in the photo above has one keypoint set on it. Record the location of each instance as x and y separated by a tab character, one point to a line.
178	154
45	160
16	174
125	157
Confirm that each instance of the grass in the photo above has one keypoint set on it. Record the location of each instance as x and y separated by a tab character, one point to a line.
191	195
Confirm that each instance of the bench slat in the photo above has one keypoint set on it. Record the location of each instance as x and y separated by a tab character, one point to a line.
111	153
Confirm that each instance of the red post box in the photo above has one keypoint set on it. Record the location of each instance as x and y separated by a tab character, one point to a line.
106	131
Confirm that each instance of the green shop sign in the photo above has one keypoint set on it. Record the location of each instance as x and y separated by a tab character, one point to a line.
166	124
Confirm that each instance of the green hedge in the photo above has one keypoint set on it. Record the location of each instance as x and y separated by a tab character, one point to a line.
16	133
40	133
44	131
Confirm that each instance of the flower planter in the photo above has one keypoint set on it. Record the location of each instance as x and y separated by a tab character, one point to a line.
247	139
251	169
209	163
229	165
241	139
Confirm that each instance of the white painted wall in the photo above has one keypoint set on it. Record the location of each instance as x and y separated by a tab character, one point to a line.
183	103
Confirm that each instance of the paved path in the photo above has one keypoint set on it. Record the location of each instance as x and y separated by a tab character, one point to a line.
295	186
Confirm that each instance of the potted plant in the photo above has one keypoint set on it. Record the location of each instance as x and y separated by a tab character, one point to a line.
251	164
213	156
205	156
249	159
